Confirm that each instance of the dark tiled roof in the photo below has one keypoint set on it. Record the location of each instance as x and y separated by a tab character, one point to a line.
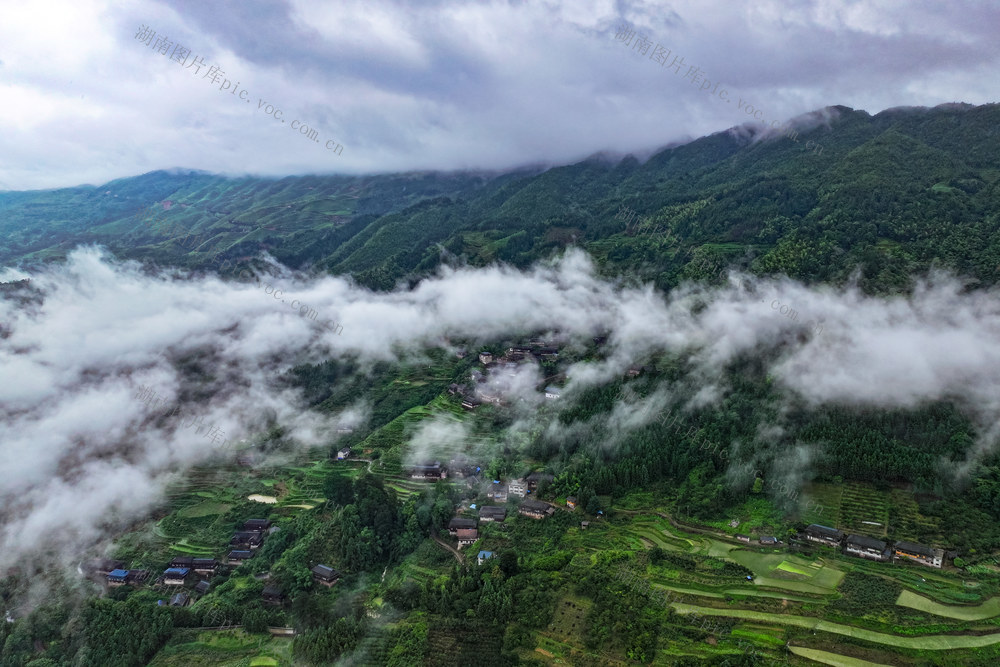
914	548
865	542
325	571
825	531
535	505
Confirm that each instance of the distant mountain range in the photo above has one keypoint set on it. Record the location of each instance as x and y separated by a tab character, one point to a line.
896	193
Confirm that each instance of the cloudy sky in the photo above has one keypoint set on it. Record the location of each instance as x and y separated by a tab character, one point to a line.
447	84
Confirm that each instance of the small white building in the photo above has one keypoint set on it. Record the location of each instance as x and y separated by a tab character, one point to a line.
552	391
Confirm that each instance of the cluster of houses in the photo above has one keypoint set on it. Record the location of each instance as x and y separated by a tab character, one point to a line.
183	571
465	530
479	391
874	549
535	349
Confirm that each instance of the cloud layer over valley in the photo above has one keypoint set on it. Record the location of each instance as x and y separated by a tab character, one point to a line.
84	455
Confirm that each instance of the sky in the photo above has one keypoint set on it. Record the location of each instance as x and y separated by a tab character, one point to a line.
386	86
87	350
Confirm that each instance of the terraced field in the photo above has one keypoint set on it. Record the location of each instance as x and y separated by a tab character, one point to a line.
930	642
988	609
834	659
864	510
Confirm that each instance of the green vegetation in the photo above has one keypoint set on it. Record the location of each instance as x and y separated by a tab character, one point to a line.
659	504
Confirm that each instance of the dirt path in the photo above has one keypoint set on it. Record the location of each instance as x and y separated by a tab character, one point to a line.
453	550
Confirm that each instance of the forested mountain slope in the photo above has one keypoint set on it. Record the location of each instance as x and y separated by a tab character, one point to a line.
894	193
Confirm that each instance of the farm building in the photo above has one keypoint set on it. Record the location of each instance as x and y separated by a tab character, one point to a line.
489	513
460	523
466	536
247	538
237	557
272	595
535	509
824	535
204	565
117	577
866	547
257	524
919	553
325	575
136	577
176	576
536	478
428	471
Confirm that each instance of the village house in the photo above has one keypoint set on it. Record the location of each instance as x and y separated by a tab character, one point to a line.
535	509
136	577
534	479
461	467
483	556
866	547
488	513
571	502
272	595
182	561
176	576
768	540
497	492
460	523
466	536
325	575
552	391
743	538
247	538
518	487
204	565
343	453
428	471
257	524
634	371
470	403
485	358
824	535
117	577
201	588
237	557
919	553
179	600
547	354
491	396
